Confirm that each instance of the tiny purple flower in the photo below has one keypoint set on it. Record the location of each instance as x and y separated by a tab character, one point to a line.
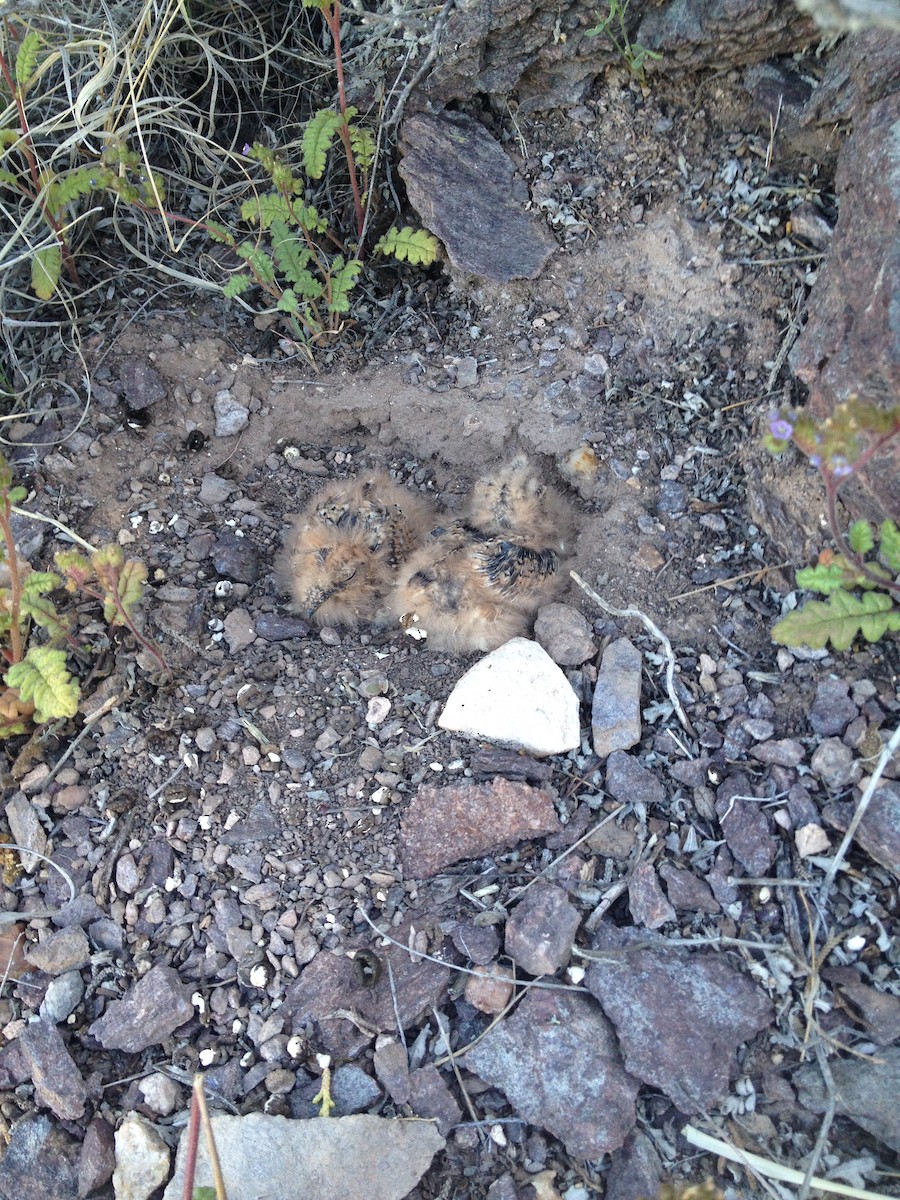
780	428
842	470
816	460
246	150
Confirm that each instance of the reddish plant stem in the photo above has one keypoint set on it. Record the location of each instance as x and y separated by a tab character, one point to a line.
332	16
15	581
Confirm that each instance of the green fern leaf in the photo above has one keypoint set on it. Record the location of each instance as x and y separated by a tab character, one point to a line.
838	620
45	270
262	265
27	58
826	578
236	286
263	210
321	130
343	280
291	254
362	143
861	537
66	188
323	4
9	177
890	544
74	567
416	246
218	233
9	137
288	302
42	678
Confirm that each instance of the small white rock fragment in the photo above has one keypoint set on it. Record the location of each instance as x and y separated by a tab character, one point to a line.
516	696
231	415
811	839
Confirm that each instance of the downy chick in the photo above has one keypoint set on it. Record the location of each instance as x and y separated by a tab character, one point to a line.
480	582
342	552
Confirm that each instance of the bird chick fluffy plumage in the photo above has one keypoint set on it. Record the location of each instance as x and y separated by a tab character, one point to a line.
342	552
480	581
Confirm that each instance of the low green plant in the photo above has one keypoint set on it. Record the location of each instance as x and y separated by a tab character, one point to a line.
295	258
615	27
48	190
38	684
860	578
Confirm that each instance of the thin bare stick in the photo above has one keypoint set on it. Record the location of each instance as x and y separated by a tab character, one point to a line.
200	1097
824	1128
8	918
772	1170
34	516
708	587
193	1139
883	759
584	837
656	632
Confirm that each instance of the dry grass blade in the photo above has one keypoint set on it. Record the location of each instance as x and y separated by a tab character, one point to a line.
771	1170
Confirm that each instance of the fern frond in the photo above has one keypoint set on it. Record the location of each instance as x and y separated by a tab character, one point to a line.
27	58
321	130
291	254
259	261
343	280
362	143
236	286
416	246
69	187
263	210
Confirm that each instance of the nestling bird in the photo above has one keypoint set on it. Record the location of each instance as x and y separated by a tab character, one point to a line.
480	581
342	552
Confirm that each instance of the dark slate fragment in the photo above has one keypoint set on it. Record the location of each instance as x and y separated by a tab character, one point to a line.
235	558
557	1060
687	891
142	383
879	830
150	1011
259	825
330	983
630	783
446	824
57	1081
866	1093
278	627
460	182
832	710
646	900
745	825
98	1157
679	1015
431	1099
40	1162
352	1090
479	943
635	1171
541	931
511	763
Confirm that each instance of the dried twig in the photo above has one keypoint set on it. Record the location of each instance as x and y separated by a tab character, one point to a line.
772	1170
200	1098
656	632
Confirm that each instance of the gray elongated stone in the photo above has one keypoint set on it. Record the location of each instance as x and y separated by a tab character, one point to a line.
616	710
516	696
460	181
57	1081
151	1010
338	1159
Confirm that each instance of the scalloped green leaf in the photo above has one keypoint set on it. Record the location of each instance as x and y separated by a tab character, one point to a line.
318	136
890	544
290	252
219	233
861	537
263	210
825	578
259	261
46	266
9	177
343	280
362	143
27	58
8	137
416	246
69	187
236	286
42	677
838	620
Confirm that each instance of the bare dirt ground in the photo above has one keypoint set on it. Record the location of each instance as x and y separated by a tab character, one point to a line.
239	811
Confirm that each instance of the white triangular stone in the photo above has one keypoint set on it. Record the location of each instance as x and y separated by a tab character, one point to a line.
516	696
